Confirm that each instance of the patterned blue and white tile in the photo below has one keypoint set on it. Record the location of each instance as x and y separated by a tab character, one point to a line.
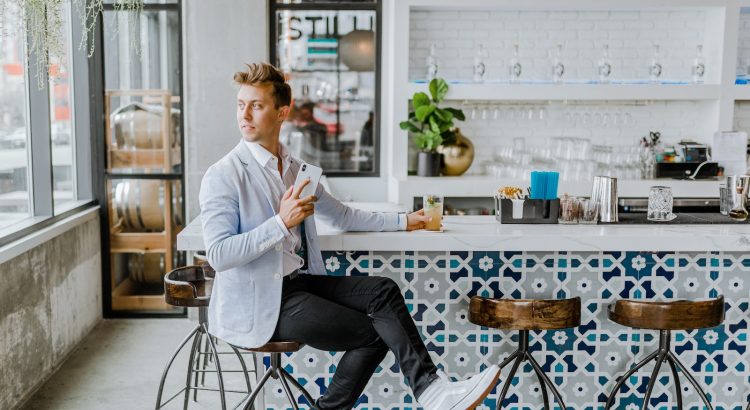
584	362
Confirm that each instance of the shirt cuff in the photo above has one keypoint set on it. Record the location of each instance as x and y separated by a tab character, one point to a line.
402	221
281	225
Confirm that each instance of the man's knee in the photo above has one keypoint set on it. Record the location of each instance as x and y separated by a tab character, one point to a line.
388	286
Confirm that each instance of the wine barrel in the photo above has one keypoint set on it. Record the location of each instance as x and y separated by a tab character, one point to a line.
146	267
139	126
139	204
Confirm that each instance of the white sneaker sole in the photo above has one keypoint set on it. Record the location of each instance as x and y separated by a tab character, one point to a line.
487	383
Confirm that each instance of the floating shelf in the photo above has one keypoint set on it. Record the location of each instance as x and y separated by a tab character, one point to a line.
584	92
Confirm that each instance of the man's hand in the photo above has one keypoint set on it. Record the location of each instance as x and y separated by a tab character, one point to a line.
294	210
416	220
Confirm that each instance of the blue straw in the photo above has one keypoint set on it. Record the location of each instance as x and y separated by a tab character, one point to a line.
553	181
537	185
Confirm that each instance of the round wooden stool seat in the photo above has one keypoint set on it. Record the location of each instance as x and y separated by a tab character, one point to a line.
188	286
675	315
277	347
525	314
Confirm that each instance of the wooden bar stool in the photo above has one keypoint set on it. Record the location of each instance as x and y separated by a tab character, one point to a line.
665	317
276	370
190	286
525	315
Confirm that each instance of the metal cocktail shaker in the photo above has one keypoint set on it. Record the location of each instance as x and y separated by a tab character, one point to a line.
604	191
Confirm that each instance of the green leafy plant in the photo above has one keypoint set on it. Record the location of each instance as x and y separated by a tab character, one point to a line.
43	22
430	124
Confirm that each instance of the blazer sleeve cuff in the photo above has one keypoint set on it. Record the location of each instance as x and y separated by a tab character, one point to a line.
282	226
391	221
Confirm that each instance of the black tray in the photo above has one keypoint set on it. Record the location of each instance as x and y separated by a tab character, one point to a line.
712	218
535	211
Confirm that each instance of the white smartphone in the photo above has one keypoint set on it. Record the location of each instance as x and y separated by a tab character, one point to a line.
308	171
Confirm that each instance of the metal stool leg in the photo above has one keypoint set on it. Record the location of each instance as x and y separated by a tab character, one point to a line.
200	364
509	359
542	384
244	367
506	385
218	367
190	370
169	364
652	380
298	386
259	388
611	399
546	379
287	390
691	380
678	389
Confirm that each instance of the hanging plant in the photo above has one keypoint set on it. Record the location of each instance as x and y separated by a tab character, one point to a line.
42	22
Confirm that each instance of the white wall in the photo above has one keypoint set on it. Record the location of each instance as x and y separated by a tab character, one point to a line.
219	38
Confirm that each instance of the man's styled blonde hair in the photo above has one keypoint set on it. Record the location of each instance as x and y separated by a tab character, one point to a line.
264	73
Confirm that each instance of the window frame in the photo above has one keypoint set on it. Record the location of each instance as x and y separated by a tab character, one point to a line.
377	6
39	149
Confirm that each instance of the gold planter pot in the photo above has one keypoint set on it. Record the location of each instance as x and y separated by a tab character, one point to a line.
457	157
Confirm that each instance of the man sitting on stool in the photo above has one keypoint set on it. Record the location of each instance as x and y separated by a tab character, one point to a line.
271	282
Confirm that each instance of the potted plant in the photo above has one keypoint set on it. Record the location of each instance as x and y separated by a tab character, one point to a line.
432	126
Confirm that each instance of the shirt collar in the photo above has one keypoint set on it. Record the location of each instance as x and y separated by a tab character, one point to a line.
264	157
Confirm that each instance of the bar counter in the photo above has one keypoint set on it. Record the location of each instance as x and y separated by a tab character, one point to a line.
484	233
475	255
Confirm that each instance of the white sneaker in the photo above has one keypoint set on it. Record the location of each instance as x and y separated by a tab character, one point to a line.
444	394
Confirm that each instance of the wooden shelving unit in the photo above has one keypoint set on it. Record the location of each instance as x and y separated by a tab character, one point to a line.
141	211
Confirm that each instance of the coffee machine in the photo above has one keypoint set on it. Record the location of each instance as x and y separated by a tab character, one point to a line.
696	163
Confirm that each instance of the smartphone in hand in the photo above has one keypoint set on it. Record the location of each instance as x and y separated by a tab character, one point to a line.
308	171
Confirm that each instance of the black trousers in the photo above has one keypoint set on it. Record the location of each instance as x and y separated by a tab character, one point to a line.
363	316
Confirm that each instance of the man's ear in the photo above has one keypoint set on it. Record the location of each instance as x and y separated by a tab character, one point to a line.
284	112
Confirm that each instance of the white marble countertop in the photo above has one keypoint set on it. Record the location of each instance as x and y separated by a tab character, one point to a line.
484	233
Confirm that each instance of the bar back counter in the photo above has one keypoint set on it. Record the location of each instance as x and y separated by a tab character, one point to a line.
476	256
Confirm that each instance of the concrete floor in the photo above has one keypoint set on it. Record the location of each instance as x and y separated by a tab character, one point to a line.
119	365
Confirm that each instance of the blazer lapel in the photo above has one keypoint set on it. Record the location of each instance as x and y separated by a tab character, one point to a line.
252	166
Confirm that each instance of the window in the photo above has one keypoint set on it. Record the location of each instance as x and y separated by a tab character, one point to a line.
14	142
45	144
330	53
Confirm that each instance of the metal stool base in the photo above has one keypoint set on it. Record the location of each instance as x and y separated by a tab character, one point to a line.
519	356
277	372
200	354
663	354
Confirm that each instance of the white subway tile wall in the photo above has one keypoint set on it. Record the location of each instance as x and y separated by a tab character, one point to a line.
742	116
743	42
629	34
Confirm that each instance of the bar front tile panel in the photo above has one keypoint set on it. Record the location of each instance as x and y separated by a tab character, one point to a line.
583	362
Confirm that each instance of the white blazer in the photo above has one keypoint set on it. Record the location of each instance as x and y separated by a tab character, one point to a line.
244	244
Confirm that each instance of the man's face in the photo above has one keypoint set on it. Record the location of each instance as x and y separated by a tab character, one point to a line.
257	116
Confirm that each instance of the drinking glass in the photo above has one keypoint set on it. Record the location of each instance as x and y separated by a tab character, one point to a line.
433	207
660	204
569	209
724	199
589	211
